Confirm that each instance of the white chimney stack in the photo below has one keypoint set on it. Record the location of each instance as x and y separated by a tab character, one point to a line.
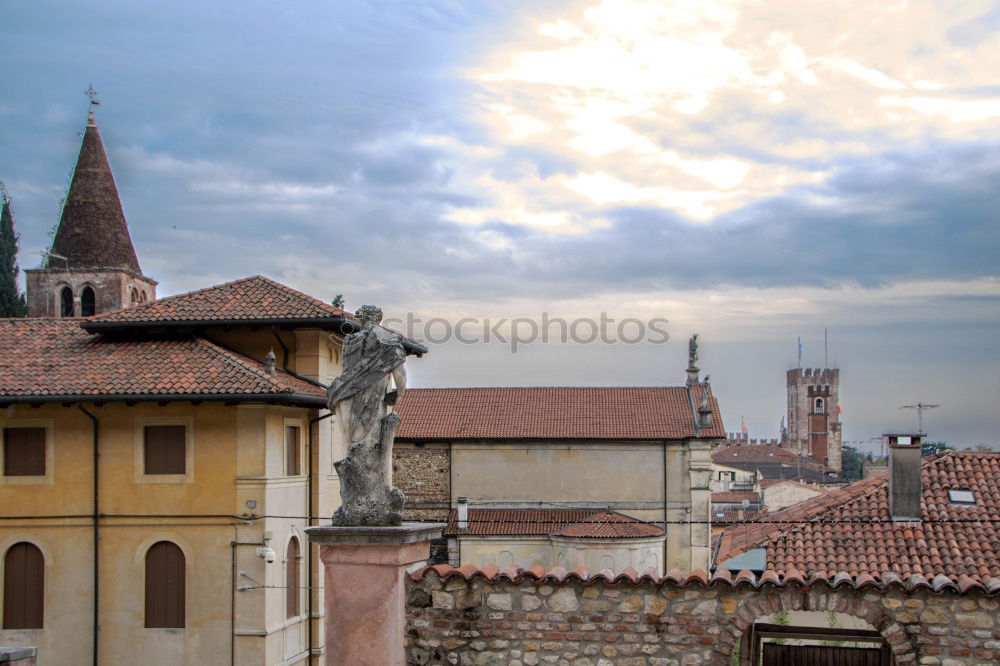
463	513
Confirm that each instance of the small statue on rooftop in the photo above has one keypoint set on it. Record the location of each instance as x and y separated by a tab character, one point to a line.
693	351
360	398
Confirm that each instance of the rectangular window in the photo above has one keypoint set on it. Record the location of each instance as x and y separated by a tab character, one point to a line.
164	449
24	451
292	451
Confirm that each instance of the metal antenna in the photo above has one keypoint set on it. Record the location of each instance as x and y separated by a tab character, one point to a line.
92	94
920	407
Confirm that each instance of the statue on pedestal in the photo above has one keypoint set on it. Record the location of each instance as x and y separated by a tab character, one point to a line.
360	398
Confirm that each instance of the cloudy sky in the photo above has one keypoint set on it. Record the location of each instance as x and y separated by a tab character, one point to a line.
752	171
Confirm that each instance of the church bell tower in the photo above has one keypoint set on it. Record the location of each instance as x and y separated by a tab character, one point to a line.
92	266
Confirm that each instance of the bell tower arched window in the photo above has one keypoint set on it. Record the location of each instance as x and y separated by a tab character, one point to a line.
66	302
819	406
88	302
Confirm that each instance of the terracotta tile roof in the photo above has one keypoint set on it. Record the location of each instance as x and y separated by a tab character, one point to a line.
883	582
42	359
752	453
610	525
255	298
92	232
783	471
515	522
850	529
576	523
730	517
640	413
735	497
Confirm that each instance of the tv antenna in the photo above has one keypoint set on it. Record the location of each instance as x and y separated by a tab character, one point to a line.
921	408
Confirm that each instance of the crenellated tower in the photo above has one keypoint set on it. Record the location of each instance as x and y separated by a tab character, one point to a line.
814	414
92	266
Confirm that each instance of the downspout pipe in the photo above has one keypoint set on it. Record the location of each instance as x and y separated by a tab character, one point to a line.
309	521
96	429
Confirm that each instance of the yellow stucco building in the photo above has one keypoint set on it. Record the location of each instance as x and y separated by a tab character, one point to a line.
159	462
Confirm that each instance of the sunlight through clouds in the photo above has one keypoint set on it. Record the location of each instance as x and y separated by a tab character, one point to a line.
702	107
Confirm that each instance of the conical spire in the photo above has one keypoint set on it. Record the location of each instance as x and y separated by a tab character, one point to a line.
92	230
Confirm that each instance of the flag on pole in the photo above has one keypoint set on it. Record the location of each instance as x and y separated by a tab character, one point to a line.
800	352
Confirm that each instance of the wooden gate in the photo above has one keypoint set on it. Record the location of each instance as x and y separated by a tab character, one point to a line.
763	652
820	655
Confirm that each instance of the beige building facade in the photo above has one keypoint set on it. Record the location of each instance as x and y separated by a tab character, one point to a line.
641	452
161	460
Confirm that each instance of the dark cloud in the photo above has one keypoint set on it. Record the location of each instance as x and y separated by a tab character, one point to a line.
291	140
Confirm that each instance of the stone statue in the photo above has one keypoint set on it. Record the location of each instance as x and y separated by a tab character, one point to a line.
360	398
693	350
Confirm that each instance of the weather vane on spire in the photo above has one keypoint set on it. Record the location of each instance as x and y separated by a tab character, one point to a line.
92	94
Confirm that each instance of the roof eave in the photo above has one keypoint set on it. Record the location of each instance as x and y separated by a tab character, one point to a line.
300	399
343	324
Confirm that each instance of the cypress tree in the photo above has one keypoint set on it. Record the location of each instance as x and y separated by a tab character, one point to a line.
12	302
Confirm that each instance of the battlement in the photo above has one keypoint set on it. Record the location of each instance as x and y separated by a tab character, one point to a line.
818	391
740	439
813	376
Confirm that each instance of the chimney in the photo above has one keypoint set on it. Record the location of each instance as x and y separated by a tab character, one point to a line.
463	513
904	477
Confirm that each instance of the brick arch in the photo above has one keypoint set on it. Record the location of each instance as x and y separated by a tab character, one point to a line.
770	599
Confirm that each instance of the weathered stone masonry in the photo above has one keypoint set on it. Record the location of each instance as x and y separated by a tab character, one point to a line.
523	618
422	473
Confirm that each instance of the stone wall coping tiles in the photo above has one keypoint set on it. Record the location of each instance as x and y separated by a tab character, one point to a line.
887	581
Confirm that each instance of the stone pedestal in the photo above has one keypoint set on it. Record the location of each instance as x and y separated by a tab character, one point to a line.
366	589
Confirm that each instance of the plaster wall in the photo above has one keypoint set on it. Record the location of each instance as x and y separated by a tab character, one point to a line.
781	495
627	477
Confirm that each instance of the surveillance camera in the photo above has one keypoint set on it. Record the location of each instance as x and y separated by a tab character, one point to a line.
266	553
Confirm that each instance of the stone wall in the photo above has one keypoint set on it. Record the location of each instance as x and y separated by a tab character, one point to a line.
423	474
526	618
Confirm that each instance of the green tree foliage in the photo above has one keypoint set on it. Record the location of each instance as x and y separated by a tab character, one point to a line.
12	302
338	301
851	463
932	448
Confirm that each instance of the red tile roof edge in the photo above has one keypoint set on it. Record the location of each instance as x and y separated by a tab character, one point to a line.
885	582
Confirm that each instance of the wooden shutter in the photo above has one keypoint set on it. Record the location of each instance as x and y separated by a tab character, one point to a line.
164	449
292	451
24	451
292	579
165	585
23	587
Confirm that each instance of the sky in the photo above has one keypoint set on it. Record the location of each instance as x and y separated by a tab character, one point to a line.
754	172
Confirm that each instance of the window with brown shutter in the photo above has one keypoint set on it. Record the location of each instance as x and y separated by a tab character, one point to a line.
164	449
292	579
24	451
165	586
23	587
292	451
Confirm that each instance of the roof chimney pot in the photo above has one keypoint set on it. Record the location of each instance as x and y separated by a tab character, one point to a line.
904	477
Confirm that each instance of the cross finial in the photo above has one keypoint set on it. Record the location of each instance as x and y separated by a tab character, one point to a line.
92	94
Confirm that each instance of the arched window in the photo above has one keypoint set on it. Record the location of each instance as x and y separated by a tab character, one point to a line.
134	296
88	302
292	579
66	302
819	406
23	587
164	585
